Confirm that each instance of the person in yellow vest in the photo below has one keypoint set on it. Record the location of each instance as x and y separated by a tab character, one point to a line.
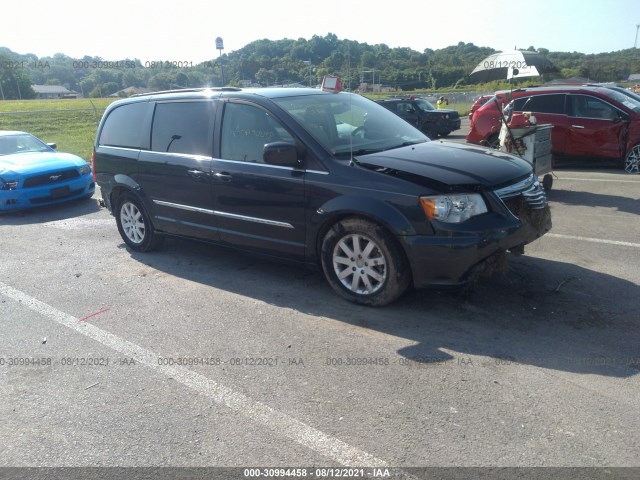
442	102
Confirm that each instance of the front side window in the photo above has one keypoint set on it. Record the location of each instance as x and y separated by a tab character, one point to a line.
182	127
246	129
404	108
585	106
122	126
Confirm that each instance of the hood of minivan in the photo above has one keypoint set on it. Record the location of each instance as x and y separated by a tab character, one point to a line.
451	163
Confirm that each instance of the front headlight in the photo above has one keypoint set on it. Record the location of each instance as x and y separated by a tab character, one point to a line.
4	185
453	208
85	169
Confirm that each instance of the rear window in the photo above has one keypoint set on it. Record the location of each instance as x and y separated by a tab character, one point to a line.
122	126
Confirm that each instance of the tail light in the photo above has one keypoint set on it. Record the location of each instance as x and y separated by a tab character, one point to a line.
93	165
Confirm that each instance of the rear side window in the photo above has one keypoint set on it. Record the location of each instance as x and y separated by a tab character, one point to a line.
541	104
182	127
122	128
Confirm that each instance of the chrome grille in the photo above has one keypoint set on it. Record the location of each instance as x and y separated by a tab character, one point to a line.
530	190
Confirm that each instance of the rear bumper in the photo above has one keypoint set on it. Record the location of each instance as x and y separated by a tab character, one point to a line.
21	199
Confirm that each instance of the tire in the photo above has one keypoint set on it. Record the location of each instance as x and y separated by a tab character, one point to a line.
444	134
134	224
632	160
547	182
352	277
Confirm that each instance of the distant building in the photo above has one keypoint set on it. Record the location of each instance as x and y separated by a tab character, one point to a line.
53	91
127	92
634	77
365	87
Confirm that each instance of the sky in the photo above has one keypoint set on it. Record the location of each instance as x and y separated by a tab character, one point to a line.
186	30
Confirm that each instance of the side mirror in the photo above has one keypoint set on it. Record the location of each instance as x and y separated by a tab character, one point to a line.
282	154
52	145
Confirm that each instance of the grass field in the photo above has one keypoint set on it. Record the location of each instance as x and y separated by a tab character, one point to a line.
70	123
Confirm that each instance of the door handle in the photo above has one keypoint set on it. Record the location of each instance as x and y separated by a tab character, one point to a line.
223	176
577	126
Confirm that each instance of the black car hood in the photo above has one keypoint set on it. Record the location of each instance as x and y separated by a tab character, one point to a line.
451	164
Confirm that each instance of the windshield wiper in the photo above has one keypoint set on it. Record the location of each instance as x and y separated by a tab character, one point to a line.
404	144
360	151
366	151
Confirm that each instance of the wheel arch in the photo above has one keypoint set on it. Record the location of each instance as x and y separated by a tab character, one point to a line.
125	184
378	212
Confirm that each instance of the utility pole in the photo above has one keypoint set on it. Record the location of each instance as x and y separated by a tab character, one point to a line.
635	45
308	63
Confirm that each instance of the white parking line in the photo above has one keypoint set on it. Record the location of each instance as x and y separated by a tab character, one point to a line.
593	240
279	422
598	180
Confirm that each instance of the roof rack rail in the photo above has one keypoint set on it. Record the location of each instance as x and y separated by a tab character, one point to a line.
190	90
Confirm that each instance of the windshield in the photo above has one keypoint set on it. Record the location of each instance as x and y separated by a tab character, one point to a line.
424	105
21	143
347	124
629	100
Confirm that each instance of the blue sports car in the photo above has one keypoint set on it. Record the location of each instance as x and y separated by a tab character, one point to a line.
33	173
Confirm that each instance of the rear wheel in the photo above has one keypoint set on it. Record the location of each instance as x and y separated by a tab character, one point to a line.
364	263
632	161
134	224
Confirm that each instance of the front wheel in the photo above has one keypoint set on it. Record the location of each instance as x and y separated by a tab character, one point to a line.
134	225
632	160
364	263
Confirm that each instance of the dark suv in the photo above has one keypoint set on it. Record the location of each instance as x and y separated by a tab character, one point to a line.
326	179
588	121
424	116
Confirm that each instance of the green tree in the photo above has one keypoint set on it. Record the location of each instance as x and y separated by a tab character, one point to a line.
14	81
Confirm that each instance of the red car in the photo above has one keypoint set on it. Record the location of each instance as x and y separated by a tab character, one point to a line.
485	122
589	121
478	103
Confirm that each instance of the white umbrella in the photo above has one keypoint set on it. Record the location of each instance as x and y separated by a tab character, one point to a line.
512	64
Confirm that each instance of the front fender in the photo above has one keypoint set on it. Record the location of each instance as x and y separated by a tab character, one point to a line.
379	211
